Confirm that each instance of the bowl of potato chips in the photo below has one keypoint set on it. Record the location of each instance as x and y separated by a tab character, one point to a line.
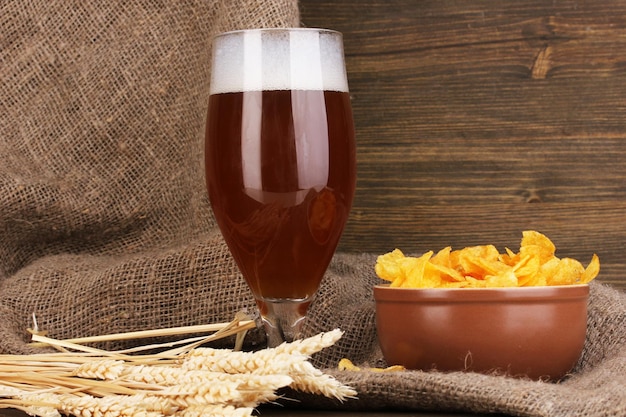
519	314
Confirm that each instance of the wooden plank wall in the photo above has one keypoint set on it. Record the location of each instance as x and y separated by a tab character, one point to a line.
477	120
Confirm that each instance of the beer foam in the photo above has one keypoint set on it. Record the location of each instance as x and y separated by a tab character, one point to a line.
278	59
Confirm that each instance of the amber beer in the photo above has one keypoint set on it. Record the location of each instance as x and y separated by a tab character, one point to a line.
281	173
282	231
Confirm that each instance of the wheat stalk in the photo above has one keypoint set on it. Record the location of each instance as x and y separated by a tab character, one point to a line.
184	381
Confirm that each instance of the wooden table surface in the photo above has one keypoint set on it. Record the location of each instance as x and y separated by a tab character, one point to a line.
478	120
304	413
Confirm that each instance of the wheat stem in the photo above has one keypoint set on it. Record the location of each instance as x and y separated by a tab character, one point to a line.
144	334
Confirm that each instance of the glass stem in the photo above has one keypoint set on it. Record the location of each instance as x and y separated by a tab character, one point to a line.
282	320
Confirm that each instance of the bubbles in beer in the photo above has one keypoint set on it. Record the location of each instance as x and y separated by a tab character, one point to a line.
278	60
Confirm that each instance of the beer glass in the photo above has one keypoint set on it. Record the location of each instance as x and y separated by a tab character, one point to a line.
280	163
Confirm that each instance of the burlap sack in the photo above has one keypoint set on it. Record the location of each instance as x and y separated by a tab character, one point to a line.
105	221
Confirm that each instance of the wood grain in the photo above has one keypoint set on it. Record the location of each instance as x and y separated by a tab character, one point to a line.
478	120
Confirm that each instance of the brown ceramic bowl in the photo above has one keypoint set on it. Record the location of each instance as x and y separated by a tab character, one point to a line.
537	332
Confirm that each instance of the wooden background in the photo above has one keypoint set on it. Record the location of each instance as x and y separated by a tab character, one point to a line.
478	120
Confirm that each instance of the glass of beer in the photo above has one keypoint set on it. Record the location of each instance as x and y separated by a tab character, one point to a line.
280	163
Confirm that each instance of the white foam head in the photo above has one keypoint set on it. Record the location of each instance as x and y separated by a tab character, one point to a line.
278	59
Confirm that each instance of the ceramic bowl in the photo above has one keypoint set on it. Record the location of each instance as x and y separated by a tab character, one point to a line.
535	332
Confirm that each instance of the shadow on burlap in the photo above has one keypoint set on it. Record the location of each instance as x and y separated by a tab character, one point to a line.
106	226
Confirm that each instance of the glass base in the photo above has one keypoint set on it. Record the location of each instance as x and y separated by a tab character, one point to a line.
282	319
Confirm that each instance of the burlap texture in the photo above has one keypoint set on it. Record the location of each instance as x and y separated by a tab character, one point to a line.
105	221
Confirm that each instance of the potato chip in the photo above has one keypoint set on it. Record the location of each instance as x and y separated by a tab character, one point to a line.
592	270
538	245
507	279
414	269
510	258
346	364
526	269
442	265
483	266
442	257
444	273
481	261
388	268
568	271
